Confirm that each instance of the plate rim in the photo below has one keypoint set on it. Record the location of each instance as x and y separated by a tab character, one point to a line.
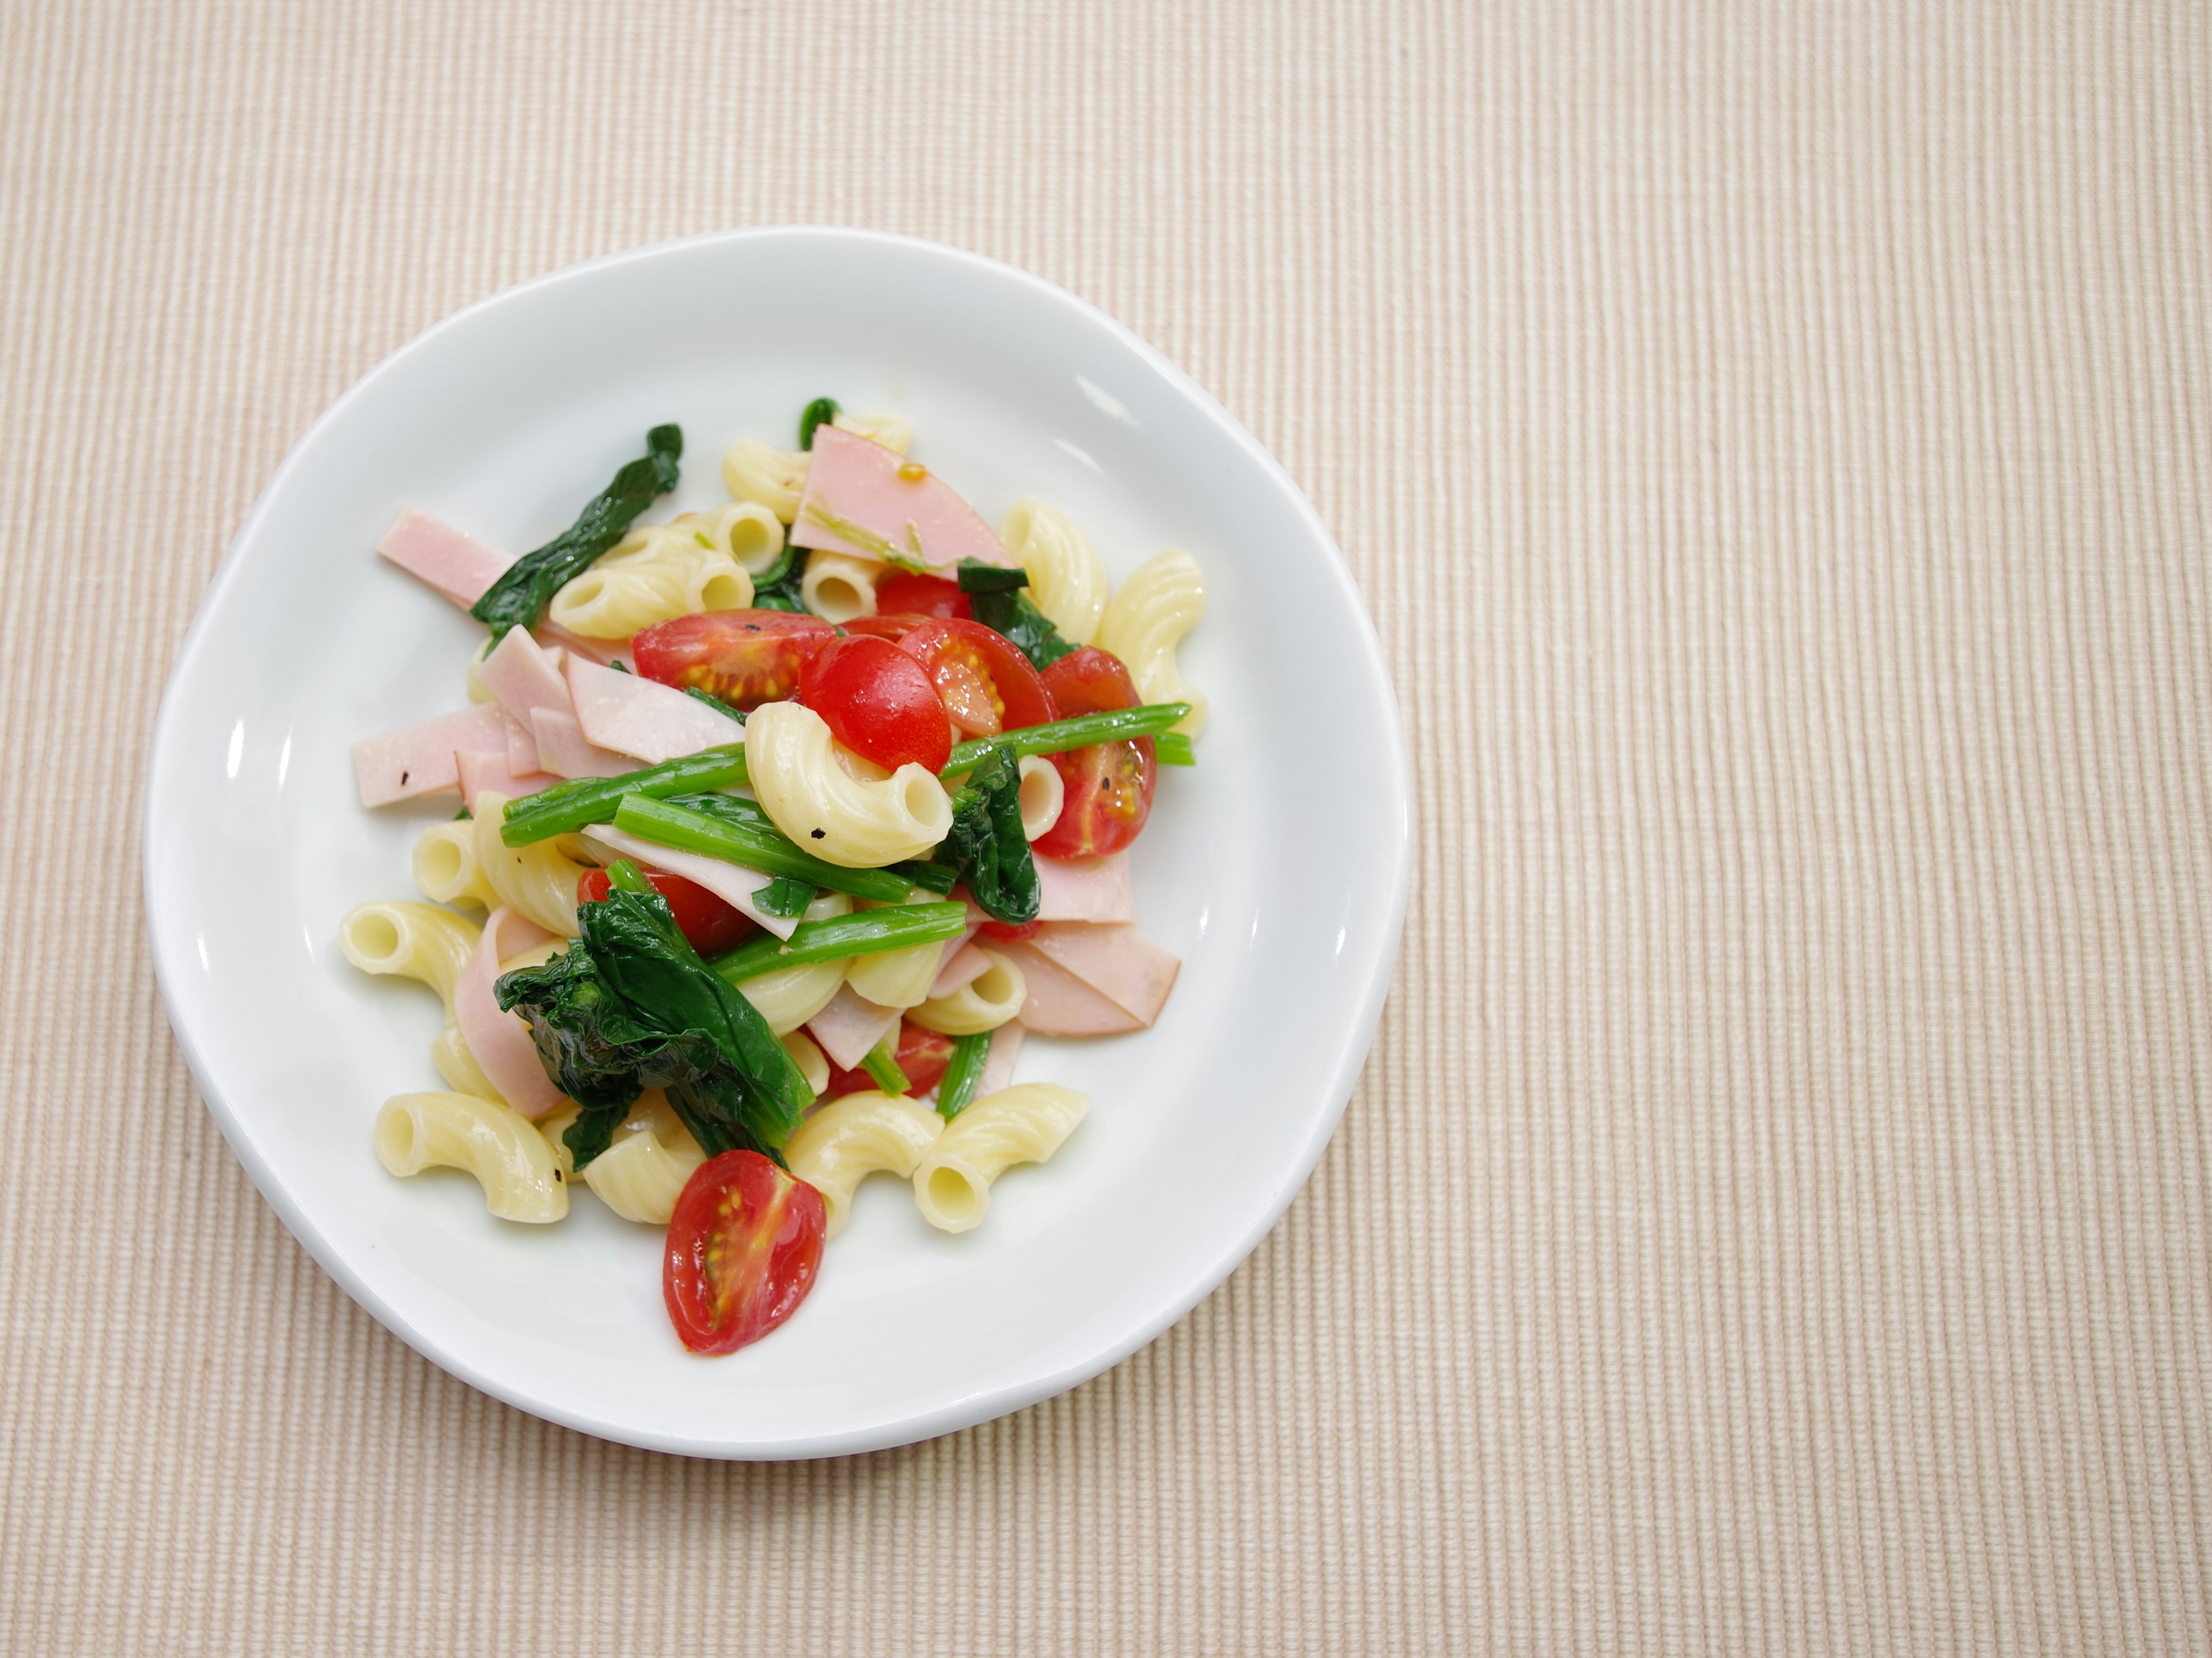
969	1410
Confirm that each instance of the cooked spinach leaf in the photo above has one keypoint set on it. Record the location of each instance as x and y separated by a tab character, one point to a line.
995	596
785	895
519	597
776	588
631	1006
987	845
820	412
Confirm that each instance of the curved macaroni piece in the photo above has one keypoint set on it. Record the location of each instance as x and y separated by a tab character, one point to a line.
643	1171
502	1149
788	996
850	1138
536	881
897	978
1044	792
446	866
749	533
1067	579
653	576
838	587
478	691
768	477
415	941
892	431
807	1054
457	1064
1162	600
826	810
1025	1123
984	1002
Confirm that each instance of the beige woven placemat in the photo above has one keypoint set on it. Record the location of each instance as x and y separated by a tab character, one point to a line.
1774	442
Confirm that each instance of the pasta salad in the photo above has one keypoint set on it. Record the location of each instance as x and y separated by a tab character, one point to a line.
781	823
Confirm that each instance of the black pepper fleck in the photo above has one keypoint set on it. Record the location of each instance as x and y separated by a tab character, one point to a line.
820	834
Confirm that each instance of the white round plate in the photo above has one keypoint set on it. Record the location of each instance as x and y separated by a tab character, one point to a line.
1275	868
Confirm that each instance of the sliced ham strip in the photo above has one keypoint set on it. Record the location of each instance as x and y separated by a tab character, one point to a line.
554	637
522	676
491	771
998	1062
733	884
1061	1005
419	759
1086	888
851	1026
961	968
637	717
459	566
565	750
521	746
1114	959
501	1041
871	501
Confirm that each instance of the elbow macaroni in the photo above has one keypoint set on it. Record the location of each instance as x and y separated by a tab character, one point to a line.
838	587
425	942
749	533
765	476
1162	599
536	881
850	1138
653	576
510	1159
788	996
643	1171
446	866
1067	579
984	1002
1044	792
892	431
1026	1123
828	811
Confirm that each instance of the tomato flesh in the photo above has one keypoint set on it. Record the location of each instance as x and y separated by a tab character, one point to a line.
745	657
712	925
985	683
922	1054
879	702
1107	788
743	1246
910	592
1010	931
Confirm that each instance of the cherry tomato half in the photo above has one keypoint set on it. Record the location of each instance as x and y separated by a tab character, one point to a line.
985	682
1107	788
712	926
891	625
922	1054
879	702
1011	932
743	1246
907	592
745	657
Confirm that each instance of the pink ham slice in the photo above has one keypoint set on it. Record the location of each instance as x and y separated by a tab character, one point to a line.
491	771
733	884
962	968
459	566
1085	889
501	1041
419	759
1061	1005
998	1062
521	745
867	501
602	651
635	716
563	749
521	675
852	1024
1114	959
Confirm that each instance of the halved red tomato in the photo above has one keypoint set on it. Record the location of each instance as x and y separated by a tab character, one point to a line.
922	1054
910	592
745	657
1009	932
985	682
713	926
892	625
879	702
1107	788
743	1246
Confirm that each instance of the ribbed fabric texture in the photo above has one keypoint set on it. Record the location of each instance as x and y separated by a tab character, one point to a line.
1773	442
